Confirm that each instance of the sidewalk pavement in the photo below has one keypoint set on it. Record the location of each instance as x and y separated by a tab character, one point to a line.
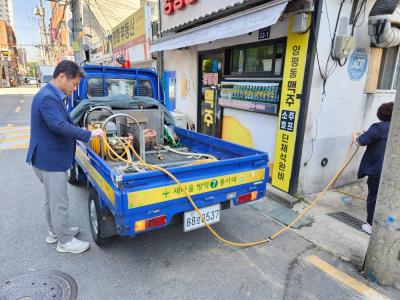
326	232
20	90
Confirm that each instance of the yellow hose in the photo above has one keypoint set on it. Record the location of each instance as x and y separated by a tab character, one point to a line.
345	163
359	197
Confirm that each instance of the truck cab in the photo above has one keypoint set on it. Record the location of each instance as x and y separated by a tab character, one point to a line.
100	81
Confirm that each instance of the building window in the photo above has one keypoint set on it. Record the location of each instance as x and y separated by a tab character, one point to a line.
257	59
389	70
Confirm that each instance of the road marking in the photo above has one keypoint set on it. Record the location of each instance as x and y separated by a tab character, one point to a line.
12	138
359	287
8	130
18	109
21	146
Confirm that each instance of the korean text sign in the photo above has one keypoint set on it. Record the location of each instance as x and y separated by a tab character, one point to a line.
131	28
292	86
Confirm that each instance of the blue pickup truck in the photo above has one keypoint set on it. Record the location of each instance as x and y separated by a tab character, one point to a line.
126	198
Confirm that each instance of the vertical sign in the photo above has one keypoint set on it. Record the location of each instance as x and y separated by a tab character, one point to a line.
208	113
292	86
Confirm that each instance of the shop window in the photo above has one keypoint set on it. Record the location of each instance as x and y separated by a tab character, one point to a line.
95	87
237	60
265	59
278	70
389	70
259	59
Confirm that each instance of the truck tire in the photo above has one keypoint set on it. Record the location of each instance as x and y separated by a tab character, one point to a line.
72	174
100	221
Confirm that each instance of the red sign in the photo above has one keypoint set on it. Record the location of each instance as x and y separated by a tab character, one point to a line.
169	6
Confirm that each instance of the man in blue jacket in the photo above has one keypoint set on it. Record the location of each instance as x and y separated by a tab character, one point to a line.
52	149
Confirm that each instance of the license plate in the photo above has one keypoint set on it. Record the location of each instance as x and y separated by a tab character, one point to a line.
192	220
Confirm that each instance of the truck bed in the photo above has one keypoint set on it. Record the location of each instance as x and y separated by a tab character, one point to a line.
137	196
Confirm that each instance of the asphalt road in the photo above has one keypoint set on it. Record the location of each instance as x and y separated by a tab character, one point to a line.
164	264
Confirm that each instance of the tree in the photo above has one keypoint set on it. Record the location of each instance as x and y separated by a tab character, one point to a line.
32	69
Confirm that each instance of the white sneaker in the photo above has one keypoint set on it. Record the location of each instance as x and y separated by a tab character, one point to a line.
74	246
52	237
367	228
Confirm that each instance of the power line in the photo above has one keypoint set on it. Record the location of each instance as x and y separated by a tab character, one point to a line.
101	12
97	21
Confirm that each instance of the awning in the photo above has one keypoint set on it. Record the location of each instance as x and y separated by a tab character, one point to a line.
241	23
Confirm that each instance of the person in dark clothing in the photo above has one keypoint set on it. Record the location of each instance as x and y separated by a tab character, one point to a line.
375	139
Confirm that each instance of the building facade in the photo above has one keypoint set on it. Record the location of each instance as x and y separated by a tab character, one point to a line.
131	39
6	12
58	32
22	62
8	56
248	72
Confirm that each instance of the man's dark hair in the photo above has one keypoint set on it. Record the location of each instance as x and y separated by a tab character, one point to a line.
385	111
70	68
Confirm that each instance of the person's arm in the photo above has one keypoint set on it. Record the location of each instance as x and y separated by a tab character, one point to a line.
355	136
58	123
369	136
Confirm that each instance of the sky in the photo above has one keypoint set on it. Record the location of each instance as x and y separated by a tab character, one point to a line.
27	27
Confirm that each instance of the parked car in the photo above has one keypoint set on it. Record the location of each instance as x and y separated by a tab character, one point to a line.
32	81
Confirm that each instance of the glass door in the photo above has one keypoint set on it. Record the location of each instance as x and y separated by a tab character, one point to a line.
210	74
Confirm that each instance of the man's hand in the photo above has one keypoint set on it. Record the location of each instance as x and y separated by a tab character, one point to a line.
356	134
96	132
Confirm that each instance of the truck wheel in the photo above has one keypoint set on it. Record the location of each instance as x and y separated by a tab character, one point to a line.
72	174
99	219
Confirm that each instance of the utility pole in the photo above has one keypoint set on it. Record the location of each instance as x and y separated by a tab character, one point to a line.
39	11
76	27
382	263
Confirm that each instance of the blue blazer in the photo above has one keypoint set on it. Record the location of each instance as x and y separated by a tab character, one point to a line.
53	134
375	139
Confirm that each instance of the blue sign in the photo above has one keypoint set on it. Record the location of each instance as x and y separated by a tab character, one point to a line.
358	63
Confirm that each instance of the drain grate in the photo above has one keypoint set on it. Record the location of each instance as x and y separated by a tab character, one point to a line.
347	219
52	285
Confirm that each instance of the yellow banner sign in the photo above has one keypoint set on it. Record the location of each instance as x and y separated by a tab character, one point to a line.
292	87
76	46
129	29
96	176
171	192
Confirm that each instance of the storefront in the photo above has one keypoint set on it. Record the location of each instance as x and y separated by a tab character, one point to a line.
131	40
100	52
230	73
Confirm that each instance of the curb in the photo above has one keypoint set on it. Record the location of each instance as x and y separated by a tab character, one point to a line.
280	196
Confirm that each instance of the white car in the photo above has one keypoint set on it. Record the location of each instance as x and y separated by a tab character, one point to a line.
32	81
